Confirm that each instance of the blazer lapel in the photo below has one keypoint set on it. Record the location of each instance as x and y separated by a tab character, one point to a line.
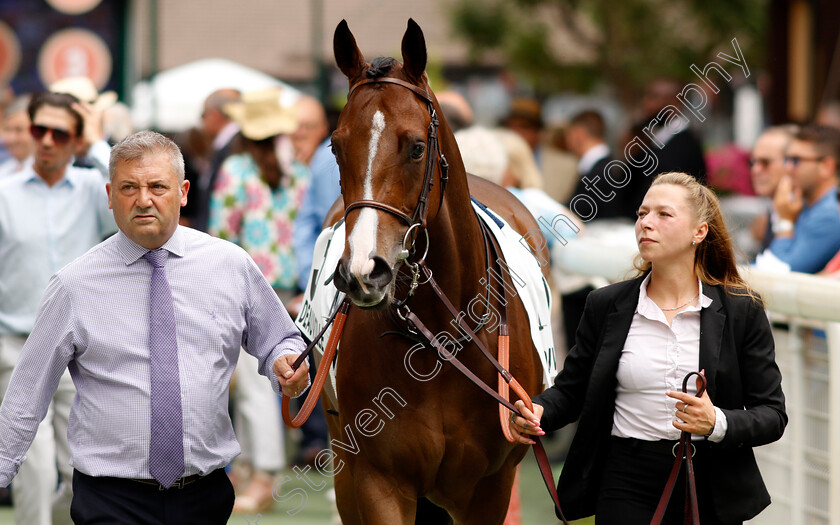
618	319
712	321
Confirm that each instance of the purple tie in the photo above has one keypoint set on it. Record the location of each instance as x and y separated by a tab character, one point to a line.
166	444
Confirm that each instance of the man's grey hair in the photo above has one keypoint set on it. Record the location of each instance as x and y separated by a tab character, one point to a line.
18	105
137	146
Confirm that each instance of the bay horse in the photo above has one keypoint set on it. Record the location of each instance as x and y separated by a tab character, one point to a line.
436	436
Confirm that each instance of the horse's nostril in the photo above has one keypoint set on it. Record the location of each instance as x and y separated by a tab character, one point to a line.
341	278
381	274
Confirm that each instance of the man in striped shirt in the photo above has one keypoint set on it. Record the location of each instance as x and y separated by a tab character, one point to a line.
94	319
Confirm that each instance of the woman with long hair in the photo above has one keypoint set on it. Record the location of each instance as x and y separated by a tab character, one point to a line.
688	310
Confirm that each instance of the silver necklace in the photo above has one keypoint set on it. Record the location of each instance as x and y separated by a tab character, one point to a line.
682	305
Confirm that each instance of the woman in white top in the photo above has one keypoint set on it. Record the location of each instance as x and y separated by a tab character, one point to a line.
688	310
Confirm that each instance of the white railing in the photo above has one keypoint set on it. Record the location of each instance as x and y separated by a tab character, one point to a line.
802	470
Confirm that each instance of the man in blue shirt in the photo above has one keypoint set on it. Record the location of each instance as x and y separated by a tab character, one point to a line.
50	213
324	189
807	233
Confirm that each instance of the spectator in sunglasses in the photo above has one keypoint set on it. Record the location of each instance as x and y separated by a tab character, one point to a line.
807	234
50	214
767	167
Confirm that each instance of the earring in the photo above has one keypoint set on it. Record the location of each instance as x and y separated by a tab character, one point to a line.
694	243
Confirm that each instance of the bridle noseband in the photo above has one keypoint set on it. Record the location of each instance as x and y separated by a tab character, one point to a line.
433	156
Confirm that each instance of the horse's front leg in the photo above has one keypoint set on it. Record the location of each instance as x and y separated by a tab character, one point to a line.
382	499
490	499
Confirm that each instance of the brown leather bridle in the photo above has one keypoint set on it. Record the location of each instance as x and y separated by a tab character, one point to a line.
433	157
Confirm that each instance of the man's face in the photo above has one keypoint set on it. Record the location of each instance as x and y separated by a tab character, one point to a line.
805	165
146	197
16	135
768	163
212	121
54	149
573	140
312	129
526	129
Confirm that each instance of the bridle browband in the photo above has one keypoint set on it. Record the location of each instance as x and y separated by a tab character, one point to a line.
433	156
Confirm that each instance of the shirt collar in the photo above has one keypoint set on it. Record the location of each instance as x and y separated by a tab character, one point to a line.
130	251
32	175
225	135
649	309
667	131
592	155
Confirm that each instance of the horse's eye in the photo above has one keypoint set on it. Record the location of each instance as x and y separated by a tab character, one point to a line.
417	150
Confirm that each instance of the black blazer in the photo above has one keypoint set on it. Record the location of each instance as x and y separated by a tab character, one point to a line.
201	217
737	353
618	207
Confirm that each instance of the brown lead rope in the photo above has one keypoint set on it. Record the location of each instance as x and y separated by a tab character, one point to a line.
338	318
539	450
684	452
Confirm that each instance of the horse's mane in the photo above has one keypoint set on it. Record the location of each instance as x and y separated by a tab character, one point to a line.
380	67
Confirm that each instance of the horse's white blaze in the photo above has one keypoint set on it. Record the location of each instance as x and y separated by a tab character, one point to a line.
363	237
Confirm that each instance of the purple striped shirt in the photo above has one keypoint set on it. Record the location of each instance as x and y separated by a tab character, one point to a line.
94	319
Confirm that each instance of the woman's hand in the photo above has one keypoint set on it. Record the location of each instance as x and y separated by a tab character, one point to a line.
694	414
523	426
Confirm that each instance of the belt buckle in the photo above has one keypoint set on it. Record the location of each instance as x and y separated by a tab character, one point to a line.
179	484
674	450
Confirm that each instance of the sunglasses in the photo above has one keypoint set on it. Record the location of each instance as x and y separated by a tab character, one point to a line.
761	162
795	160
59	136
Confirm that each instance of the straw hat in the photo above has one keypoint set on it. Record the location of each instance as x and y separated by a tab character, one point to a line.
261	115
83	89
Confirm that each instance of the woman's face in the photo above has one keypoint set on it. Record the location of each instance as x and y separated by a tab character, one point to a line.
666	225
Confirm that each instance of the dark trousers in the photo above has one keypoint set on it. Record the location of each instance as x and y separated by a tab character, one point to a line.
118	501
633	480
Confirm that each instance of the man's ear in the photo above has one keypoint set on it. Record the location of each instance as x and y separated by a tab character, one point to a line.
108	191
185	187
830	167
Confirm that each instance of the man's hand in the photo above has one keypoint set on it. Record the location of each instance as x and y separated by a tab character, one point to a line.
292	382
92	118
788	199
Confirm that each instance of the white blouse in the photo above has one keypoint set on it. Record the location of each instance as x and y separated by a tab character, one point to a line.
655	359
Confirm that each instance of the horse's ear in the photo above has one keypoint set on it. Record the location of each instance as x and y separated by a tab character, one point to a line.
347	55
414	51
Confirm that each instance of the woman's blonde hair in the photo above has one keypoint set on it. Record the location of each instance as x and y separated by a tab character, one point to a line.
714	257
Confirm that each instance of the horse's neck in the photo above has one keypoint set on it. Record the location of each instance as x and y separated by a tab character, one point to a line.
457	254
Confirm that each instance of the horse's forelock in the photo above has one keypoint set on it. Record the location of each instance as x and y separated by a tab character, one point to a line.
380	67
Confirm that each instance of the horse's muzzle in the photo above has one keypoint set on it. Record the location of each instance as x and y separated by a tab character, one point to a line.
366	291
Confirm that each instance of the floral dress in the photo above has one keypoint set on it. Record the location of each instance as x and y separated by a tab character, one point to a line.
246	211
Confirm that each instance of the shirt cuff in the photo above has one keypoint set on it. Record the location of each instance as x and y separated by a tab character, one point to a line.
100	154
8	470
719	431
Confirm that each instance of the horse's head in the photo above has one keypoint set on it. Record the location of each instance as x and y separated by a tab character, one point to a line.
387	151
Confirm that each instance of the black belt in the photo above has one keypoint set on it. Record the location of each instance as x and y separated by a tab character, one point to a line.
662	446
179	483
